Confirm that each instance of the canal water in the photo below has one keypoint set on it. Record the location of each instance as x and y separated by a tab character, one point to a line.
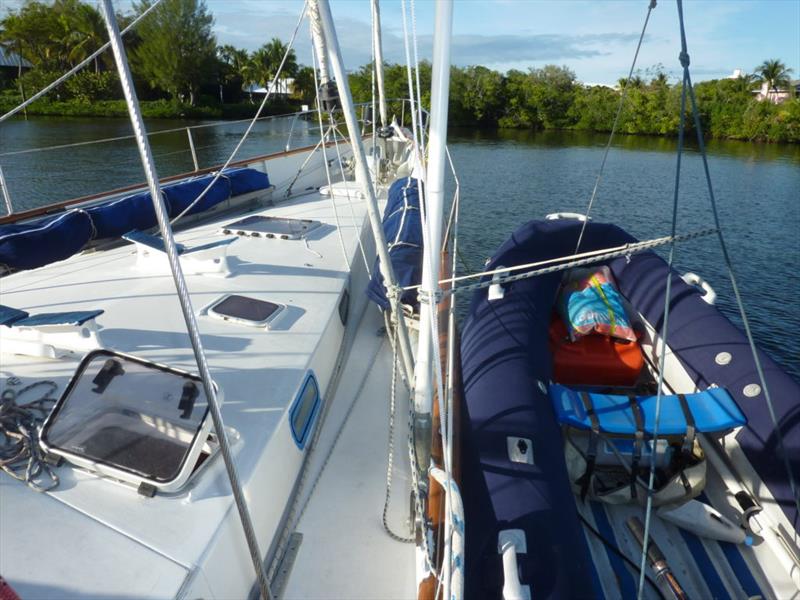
506	179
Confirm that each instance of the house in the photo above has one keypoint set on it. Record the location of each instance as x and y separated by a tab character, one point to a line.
782	94
10	63
283	88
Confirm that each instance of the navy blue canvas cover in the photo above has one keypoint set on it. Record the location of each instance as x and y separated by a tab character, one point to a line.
402	226
181	195
117	217
32	245
244	180
507	365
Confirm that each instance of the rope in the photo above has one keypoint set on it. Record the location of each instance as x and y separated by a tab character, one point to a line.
77	67
390	450
270	90
614	125
20	424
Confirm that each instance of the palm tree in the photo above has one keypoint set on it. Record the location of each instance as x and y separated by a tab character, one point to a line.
774	73
266	60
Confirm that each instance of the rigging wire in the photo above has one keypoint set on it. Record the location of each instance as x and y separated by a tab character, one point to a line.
77	67
575	260
270	90
182	290
729	264
664	329
622	97
324	135
348	191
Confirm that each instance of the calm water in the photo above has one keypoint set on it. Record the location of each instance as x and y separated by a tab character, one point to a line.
506	179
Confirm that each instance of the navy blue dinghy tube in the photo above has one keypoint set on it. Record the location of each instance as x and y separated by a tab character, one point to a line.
507	366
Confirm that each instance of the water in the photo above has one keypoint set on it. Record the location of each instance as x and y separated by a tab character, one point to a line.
506	179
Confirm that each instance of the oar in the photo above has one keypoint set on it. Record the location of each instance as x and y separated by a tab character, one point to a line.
656	559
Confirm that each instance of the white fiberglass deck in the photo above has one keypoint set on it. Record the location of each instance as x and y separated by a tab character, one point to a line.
94	538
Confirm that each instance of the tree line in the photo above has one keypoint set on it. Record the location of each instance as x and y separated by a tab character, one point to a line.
175	58
551	97
173	53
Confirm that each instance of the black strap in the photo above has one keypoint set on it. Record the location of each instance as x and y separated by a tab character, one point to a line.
638	442
594	436
688	440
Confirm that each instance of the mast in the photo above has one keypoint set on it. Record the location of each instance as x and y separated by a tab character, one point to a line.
162	216
378	51
318	40
321	10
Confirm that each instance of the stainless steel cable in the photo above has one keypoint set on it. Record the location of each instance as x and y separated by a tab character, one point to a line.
252	122
663	354
183	294
729	264
624	94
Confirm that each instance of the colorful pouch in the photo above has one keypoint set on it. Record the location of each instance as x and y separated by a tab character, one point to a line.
589	302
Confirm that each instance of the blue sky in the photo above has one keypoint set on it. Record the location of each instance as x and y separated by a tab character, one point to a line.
596	39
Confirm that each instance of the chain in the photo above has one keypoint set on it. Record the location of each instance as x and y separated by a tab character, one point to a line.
20	452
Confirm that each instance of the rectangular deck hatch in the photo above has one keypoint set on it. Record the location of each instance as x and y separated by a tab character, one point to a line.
245	310
130	419
272	227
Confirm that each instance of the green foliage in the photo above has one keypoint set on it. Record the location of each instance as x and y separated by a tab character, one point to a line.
774	73
55	35
177	49
265	61
304	89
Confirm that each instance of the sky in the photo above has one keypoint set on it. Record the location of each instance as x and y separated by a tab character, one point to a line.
595	38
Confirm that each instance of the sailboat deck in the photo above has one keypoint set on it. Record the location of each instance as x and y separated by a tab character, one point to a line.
93	521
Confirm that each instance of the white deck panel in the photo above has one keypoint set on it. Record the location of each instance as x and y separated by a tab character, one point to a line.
345	552
259	371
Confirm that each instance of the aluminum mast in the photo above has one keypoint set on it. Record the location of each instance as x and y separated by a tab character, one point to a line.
321	9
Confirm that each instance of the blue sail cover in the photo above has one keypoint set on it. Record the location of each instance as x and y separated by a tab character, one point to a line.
402	226
32	245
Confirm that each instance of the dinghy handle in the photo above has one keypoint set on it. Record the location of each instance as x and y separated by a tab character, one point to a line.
567	215
511	542
693	279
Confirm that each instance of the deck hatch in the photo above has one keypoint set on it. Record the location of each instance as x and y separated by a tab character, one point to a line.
245	310
130	419
283	228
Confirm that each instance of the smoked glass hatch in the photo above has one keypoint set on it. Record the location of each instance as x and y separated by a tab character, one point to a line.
129	415
245	310
272	227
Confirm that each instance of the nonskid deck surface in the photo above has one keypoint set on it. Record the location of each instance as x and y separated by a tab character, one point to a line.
259	371
345	552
